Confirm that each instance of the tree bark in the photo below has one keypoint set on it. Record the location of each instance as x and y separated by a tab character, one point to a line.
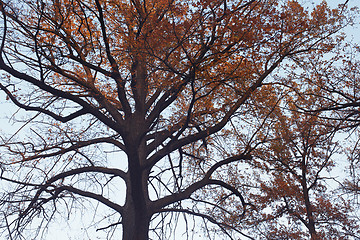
136	217
309	210
135	224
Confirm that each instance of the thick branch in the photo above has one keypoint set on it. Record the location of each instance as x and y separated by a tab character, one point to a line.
104	170
186	193
94	196
74	147
114	66
42	110
57	190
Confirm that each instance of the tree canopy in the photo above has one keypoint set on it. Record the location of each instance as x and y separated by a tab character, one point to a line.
150	114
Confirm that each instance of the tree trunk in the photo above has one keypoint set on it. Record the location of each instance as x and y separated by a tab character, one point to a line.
135	225
310	216
137	215
308	206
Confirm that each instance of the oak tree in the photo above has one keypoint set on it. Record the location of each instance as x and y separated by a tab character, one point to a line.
132	102
300	197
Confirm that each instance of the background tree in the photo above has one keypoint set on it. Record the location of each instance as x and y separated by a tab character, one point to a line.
341	88
131	100
336	85
299	198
